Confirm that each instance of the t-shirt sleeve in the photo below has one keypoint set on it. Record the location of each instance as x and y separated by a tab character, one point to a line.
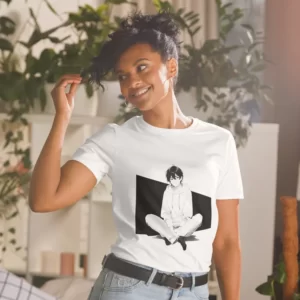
230	184
98	151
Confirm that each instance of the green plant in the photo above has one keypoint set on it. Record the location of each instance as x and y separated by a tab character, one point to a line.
273	286
212	67
13	178
23	77
91	25
20	88
13	186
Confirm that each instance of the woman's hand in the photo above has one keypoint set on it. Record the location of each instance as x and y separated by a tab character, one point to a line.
64	102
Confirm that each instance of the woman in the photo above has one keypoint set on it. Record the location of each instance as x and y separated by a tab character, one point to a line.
143	52
177	220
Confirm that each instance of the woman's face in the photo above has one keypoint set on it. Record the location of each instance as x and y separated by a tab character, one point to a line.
144	79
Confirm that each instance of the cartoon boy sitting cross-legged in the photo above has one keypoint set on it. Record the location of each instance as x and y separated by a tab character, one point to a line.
177	221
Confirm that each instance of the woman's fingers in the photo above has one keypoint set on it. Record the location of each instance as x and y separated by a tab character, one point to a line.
73	89
68	79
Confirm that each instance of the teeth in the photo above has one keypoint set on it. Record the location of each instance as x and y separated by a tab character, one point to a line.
140	92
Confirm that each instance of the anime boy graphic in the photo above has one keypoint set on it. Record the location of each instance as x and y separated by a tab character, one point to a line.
177	221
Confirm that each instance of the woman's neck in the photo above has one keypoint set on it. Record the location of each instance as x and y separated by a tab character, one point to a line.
167	114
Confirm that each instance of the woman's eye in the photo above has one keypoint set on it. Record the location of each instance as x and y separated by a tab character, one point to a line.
122	77
142	67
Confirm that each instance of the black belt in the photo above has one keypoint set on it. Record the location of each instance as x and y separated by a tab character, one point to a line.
117	265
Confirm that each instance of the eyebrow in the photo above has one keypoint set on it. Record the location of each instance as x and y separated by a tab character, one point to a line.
135	63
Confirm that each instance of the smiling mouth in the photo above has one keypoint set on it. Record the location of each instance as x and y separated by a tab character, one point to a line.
140	92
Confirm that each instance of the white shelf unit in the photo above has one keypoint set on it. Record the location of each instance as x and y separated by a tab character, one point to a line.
72	229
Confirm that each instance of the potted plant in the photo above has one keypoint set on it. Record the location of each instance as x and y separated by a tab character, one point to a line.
223	86
14	169
38	75
24	85
91	26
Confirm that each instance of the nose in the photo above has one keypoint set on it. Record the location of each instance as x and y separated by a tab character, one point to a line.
134	81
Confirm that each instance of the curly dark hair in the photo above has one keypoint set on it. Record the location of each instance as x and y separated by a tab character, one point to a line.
173	172
160	31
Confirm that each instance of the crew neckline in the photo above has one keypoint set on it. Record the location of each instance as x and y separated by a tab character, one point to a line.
165	131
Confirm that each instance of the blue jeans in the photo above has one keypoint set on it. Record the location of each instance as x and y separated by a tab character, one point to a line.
112	286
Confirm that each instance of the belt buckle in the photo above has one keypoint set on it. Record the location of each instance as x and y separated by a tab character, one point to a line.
179	284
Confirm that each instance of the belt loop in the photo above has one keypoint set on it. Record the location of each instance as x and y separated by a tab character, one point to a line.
153	273
193	282
104	260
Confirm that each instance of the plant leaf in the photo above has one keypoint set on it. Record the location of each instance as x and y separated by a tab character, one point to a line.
266	288
89	90
248	27
43	98
6	45
7	25
12	215
280	274
51	7
296	296
7	1
37	26
12	230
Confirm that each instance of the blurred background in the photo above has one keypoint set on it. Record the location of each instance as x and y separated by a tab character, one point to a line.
239	69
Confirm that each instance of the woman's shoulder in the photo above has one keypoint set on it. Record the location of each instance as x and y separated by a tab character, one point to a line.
212	129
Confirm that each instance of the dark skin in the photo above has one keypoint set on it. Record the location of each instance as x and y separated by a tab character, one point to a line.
138	68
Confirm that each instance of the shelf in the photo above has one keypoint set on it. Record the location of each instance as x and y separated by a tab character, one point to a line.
17	271
43	274
53	275
108	200
75	120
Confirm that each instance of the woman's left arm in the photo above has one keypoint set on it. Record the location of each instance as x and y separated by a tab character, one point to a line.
227	250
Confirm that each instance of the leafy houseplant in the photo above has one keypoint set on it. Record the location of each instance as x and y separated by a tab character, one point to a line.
13	186
210	71
91	27
14	172
21	85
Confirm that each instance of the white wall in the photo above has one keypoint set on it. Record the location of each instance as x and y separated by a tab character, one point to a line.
258	161
207	11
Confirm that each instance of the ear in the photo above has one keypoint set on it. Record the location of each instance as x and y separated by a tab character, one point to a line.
172	66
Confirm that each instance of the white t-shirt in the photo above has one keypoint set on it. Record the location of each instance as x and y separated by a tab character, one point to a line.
165	181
